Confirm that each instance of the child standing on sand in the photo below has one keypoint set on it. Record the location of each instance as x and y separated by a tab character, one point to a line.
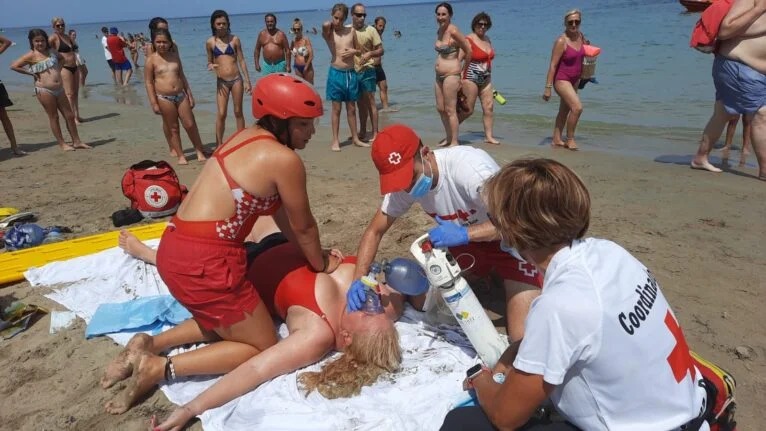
170	95
43	63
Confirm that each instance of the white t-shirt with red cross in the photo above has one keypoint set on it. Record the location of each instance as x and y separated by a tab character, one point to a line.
603	333
457	195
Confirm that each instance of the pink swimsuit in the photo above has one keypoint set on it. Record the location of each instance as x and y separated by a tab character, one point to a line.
570	65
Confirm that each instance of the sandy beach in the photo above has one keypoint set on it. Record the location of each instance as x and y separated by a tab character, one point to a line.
700	233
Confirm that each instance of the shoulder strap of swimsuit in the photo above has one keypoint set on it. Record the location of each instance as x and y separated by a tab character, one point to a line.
220	155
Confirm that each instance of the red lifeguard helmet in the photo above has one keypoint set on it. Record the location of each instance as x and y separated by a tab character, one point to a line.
285	96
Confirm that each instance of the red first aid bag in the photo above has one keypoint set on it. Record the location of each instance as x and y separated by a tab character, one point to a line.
705	32
153	188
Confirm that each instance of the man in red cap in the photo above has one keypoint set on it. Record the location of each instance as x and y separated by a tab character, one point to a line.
447	184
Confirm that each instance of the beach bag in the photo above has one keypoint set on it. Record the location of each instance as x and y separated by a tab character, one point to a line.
720	385
589	61
153	188
705	33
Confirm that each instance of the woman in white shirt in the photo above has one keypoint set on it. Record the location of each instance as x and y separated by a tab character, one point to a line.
601	341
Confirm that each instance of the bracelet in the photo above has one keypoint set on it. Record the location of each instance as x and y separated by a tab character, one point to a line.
548	85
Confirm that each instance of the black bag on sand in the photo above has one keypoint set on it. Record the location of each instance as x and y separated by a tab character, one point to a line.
126	217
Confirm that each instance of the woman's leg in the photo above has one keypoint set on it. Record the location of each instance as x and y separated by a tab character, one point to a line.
439	94
8	127
50	104
238	94
222	100
488	109
308	74
71	121
450	88
71	81
171	128
471	92
190	124
83	74
568	95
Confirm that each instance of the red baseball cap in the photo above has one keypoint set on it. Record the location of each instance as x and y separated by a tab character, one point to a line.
393	153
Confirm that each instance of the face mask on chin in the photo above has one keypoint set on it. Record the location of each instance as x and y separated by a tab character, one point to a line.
423	184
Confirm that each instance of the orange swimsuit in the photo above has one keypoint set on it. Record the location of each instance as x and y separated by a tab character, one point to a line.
204	263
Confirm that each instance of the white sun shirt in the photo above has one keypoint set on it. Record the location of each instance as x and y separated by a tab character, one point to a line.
604	335
107	54
457	196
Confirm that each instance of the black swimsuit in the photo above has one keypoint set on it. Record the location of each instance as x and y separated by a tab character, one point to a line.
65	47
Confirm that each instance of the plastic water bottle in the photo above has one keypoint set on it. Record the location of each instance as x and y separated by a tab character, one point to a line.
405	276
499	97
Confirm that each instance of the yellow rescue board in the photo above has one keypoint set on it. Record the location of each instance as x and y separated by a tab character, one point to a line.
14	263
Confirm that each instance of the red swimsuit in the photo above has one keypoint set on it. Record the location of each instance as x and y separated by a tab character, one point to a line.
283	279
204	263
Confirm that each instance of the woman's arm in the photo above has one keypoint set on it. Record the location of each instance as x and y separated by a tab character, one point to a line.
5	43
464	45
151	93
510	405
20	65
53	41
310	48
185	82
242	63
291	186
301	348
558	50
209	51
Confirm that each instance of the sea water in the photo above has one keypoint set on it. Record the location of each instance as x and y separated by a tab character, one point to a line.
653	98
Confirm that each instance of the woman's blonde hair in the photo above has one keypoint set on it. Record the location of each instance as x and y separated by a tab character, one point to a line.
538	203
56	19
371	354
572	12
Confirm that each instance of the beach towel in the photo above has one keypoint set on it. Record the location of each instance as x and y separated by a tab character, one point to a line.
418	397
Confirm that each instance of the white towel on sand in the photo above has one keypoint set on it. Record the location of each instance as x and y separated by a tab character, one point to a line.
415	398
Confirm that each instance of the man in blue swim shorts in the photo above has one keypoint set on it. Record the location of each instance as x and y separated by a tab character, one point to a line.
739	75
342	79
371	48
276	48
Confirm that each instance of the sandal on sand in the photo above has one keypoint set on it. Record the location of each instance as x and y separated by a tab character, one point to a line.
16	218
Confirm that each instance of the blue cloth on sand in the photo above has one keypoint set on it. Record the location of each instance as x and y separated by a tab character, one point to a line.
342	85
267	68
148	314
740	88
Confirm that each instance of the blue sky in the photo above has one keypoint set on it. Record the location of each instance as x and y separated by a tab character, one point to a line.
16	13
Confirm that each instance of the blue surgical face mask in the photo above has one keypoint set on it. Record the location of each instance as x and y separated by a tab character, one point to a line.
424	182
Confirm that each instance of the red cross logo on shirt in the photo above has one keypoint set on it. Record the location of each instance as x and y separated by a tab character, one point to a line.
679	359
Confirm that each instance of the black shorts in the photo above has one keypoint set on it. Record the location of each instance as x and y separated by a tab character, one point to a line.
380	74
254	249
5	101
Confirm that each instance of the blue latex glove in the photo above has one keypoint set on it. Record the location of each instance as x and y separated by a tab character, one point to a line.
356	296
448	234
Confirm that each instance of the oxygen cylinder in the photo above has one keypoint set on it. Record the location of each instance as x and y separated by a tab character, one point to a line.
444	273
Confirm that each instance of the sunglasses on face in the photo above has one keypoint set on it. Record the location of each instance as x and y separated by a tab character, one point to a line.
482	24
59	26
360	15
574	22
297	29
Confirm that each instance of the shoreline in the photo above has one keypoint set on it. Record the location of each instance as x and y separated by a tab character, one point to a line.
696	231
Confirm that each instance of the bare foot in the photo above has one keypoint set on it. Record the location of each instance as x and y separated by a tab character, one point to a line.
182	161
148	372
558	143
335	146
18	152
359	143
705	166
389	109
121	367
491	140
572	145
83	146
173	153
135	248
201	156
372	138
66	147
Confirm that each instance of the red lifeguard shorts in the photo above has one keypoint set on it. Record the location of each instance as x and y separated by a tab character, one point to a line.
207	276
489	257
